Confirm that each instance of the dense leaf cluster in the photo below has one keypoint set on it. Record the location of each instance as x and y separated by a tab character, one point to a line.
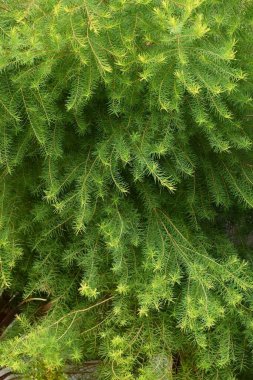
125	146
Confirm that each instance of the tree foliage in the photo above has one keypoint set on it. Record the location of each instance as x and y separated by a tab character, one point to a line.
126	143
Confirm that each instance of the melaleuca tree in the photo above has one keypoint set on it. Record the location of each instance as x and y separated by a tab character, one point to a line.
126	137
